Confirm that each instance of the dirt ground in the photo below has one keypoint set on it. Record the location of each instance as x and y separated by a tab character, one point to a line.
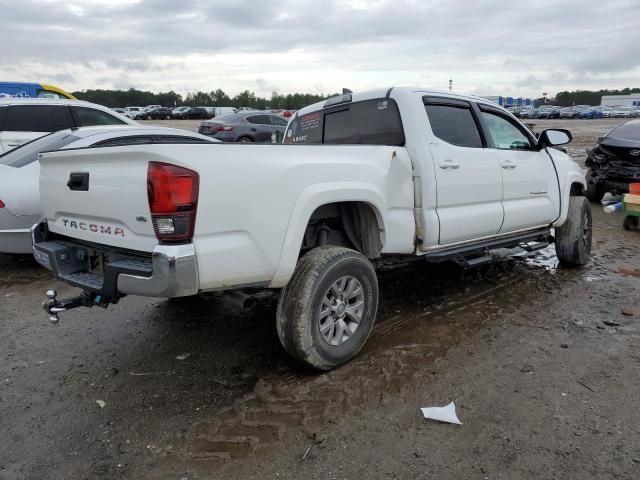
542	363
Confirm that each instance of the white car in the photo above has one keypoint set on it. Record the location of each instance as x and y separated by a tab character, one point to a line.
22	119
19	171
394	173
132	112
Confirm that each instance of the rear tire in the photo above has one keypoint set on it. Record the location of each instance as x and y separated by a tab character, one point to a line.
327	310
595	191
245	140
573	238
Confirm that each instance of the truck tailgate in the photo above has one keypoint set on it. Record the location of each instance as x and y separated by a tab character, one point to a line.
99	195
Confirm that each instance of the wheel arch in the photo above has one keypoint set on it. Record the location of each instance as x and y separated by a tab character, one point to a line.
575	186
309	201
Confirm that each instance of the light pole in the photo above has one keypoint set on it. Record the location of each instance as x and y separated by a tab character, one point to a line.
450	84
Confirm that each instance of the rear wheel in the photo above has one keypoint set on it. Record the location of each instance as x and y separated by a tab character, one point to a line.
595	191
245	140
573	238
327	310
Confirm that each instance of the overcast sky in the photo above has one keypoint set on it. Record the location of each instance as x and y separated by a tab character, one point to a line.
319	46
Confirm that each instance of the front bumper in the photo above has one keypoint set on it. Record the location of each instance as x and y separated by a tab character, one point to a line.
170	271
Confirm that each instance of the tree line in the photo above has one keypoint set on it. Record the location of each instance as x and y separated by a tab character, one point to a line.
218	98
582	97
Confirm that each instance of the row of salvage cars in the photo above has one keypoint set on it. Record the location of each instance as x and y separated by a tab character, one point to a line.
612	164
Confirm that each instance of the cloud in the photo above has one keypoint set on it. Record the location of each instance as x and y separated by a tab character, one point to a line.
486	46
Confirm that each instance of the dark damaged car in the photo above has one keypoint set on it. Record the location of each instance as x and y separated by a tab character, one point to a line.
614	162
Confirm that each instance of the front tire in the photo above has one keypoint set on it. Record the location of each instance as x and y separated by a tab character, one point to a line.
573	238
326	312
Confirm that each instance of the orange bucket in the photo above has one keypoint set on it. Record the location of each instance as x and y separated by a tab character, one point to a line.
634	188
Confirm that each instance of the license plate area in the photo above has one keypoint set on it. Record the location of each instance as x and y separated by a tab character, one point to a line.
96	262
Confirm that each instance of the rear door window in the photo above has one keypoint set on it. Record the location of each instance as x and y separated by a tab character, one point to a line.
89	117
454	124
37	118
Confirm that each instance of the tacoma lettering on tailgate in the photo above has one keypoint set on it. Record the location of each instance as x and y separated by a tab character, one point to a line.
93	227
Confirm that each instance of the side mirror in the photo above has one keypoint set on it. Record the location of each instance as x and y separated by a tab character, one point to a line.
553	137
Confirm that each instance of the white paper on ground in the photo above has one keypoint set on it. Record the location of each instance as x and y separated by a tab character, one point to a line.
442	414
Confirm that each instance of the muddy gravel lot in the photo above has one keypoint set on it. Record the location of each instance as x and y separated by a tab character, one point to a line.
542	363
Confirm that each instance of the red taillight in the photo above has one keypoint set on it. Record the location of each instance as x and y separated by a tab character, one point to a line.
1	204
216	127
173	200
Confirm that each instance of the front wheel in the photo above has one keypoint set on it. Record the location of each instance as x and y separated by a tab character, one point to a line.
327	310
573	238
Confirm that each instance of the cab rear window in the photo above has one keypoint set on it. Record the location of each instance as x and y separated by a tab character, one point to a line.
371	122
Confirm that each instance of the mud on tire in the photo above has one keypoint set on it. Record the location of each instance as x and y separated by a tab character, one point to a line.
573	238
327	281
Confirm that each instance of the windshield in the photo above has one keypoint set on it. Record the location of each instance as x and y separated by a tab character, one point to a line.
28	153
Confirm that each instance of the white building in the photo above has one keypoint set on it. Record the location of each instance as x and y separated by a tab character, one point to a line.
621	100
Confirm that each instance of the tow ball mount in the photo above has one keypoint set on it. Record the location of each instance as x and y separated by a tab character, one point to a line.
53	306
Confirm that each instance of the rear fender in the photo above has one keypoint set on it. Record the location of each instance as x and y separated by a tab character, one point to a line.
307	202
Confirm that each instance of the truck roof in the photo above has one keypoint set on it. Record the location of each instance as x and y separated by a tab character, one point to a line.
383	92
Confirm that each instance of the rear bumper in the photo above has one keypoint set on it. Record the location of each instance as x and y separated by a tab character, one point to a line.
170	271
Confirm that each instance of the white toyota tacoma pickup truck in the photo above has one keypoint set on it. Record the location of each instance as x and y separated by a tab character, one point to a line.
360	177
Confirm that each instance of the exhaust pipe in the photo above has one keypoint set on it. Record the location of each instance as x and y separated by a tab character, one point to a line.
240	301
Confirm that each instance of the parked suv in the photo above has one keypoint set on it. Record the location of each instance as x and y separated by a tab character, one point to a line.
245	127
22	120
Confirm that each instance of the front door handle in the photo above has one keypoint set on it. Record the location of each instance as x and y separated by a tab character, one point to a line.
508	165
449	164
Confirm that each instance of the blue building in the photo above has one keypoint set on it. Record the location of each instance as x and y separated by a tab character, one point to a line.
511	101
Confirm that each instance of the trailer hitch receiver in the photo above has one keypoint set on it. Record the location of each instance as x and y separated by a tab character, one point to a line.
53	306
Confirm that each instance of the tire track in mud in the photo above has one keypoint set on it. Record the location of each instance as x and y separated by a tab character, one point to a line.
281	409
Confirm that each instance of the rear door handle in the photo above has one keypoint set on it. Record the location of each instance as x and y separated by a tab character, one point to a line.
449	164
13	144
508	165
